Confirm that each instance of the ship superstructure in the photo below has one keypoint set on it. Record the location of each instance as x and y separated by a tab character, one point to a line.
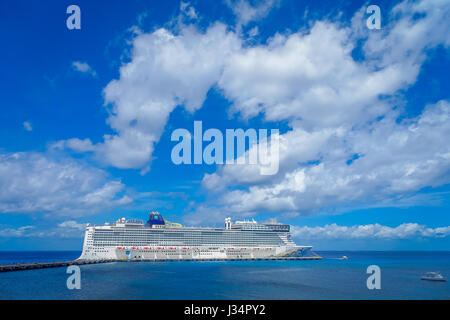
160	239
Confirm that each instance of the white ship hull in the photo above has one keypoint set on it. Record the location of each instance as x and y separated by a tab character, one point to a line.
191	253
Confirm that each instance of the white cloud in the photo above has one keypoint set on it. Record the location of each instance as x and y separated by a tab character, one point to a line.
296	147
339	154
246	12
395	160
36	183
83	67
369	231
27	126
415	26
66	229
188	10
73	224
15	232
345	147
78	145
312	79
165	70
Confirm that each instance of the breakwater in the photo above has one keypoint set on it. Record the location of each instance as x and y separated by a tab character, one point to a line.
57	264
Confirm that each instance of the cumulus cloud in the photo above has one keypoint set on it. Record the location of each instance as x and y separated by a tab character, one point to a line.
165	70
83	67
379	165
311	79
345	146
35	183
369	231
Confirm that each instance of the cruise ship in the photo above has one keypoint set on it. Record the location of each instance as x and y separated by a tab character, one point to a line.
159	239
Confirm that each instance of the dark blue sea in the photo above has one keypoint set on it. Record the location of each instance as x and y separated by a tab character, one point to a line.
329	278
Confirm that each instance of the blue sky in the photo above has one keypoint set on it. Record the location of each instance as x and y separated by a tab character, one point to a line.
88	114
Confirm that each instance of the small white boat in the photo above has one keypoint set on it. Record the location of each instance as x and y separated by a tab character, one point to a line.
433	276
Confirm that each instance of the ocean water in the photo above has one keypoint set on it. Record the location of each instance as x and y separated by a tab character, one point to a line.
329	278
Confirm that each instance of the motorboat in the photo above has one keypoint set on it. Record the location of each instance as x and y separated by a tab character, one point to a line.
433	276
